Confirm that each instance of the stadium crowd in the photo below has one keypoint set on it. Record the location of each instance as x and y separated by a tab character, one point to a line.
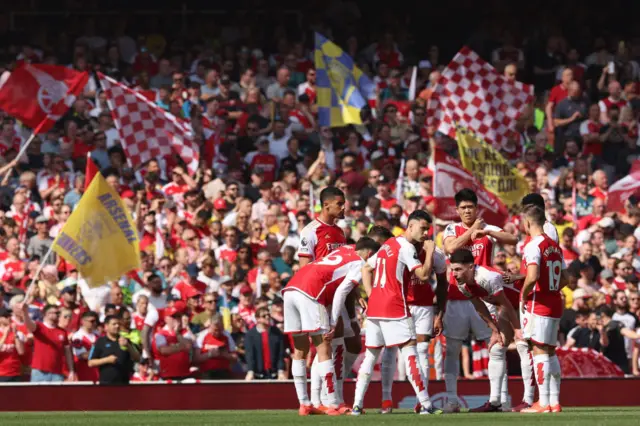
218	246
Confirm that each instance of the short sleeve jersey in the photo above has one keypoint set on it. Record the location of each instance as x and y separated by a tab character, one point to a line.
546	299
486	283
549	230
388	299
421	294
320	279
318	239
481	248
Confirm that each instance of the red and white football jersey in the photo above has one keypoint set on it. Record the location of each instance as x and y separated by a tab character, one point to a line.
546	299
224	252
481	248
175	191
590	127
267	163
486	283
81	343
422	294
320	279
318	239
137	321
550	231
607	103
388	298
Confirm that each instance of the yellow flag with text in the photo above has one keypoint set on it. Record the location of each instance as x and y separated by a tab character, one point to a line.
490	167
100	237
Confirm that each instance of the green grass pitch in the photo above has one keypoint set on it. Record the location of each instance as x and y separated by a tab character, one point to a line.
570	417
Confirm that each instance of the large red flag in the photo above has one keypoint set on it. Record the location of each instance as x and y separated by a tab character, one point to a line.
39	95
449	178
90	171
620	192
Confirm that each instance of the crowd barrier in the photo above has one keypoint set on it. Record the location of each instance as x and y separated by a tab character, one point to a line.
241	395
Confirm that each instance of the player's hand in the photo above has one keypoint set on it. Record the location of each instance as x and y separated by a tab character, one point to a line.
327	337
517	334
496	337
437	326
507	277
249	376
478	224
429	246
363	303
478	233
72	377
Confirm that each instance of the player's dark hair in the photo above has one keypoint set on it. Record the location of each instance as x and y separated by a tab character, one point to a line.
461	255
419	215
466	194
380	233
533	200
329	193
366	243
535	214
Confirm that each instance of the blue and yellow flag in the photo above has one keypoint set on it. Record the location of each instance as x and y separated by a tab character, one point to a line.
342	88
100	237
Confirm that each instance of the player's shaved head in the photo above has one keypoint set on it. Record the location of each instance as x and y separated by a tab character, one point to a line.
462	256
533	199
535	215
330	193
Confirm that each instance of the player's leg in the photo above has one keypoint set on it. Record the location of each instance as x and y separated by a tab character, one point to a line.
423	320
316	384
338	354
327	372
456	329
374	342
543	333
508	333
402	333
293	324
352	340
497	360
387	371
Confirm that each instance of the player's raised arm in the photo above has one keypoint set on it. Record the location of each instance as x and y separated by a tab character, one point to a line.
497	234
452	243
424	271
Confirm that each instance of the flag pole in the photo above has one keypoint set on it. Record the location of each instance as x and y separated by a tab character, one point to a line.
31	287
24	147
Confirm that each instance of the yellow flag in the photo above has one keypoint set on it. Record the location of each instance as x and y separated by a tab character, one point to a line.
100	238
489	166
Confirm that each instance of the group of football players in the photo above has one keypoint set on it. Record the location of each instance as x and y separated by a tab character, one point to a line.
395	274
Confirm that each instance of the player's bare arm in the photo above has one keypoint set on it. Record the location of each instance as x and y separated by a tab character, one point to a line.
303	260
451	244
501	300
533	272
501	237
424	271
483	312
367	279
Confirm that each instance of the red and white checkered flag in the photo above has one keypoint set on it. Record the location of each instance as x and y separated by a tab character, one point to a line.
146	130
474	95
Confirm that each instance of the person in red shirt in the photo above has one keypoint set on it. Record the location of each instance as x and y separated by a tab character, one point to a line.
180	184
172	349
215	351
557	94
601	186
82	341
50	347
184	287
11	349
262	160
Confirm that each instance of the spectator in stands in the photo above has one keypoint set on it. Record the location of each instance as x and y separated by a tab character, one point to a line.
215	351
264	349
613	339
113	354
11	348
173	347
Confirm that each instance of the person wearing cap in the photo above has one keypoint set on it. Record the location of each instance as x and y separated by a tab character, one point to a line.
113	354
40	243
11	348
185	286
584	201
246	308
215	351
171	347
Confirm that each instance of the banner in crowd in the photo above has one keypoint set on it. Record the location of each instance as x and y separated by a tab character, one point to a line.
342	88
100	237
490	168
473	94
621	190
39	95
449	178
146	130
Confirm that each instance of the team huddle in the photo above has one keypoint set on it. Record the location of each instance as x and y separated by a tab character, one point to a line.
470	297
